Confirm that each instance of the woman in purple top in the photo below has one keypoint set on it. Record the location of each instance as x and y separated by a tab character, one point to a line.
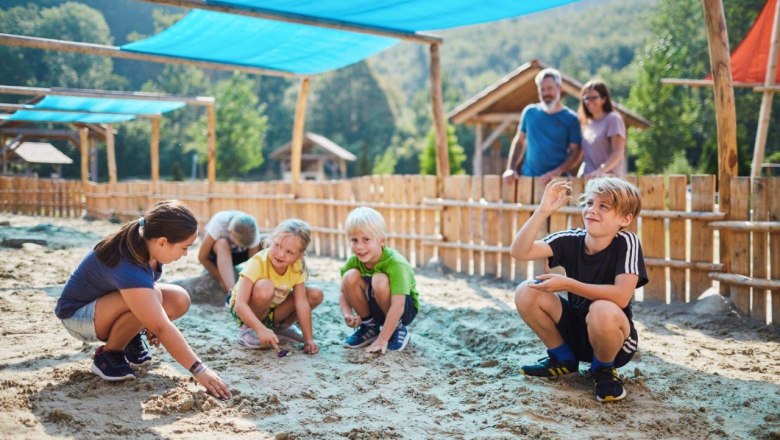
113	295
603	132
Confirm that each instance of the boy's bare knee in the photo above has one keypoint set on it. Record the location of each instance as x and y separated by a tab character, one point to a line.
380	283
604	314
525	296
315	296
352	278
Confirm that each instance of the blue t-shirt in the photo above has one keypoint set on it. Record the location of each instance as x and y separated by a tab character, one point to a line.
93	279
547	138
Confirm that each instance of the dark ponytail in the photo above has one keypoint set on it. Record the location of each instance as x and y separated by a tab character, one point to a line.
169	219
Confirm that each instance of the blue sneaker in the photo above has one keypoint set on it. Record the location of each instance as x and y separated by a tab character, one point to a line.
364	335
111	365
399	338
137	352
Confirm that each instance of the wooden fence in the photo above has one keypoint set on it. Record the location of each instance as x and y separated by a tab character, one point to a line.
34	196
470	226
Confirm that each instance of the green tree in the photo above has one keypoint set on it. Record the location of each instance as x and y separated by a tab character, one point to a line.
454	151
240	130
34	67
350	107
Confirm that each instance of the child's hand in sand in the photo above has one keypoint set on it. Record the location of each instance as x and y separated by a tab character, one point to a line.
267	337
551	282
153	339
311	347
213	384
377	346
352	320
556	194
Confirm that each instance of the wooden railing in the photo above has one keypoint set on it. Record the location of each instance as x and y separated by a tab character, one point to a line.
469	227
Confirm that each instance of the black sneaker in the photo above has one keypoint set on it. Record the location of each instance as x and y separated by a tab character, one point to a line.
111	365
137	352
609	387
550	367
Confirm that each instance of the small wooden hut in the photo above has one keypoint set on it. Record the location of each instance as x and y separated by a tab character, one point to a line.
321	158
496	110
31	154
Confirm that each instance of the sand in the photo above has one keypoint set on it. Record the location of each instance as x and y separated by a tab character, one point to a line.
702	370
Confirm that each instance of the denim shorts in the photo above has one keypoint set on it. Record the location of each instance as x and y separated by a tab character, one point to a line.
82	324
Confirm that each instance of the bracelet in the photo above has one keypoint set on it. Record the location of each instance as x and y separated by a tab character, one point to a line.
195	365
201	368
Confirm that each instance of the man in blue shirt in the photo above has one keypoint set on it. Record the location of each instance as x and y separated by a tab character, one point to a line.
548	134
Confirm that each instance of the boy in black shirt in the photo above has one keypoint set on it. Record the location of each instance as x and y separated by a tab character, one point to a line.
604	265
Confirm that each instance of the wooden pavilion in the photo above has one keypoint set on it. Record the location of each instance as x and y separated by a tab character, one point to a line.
36	153
318	155
496	110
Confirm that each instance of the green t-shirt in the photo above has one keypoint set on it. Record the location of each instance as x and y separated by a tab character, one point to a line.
397	269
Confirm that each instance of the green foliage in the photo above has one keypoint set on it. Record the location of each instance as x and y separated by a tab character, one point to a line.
386	163
240	128
683	118
177	174
70	21
679	165
350	107
454	151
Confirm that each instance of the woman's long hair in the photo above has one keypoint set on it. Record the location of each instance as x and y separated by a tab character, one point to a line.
169	219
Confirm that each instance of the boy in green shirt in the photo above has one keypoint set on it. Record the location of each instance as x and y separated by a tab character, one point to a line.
377	287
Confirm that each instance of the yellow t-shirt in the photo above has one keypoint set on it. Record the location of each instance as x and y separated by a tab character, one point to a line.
259	267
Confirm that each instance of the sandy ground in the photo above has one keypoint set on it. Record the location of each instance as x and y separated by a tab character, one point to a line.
697	375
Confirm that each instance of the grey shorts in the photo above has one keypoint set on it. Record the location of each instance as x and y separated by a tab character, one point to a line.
82	324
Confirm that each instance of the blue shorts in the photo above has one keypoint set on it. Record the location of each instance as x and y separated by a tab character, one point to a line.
379	315
82	324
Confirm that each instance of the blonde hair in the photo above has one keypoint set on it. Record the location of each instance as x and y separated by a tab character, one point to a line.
622	196
245	228
295	227
367	220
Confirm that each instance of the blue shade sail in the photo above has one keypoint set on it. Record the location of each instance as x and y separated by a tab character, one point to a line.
67	117
254	42
403	15
110	105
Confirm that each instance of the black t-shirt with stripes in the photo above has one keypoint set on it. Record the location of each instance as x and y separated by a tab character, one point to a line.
623	255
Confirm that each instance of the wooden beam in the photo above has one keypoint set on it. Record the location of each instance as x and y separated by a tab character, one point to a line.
766	99
116	52
725	110
93	158
498	117
439	123
296	148
111	155
311	20
5	154
154	151
84	150
211	116
498	131
476	161
88	93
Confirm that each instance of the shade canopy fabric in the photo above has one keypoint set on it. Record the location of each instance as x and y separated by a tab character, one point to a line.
307	49
108	105
67	117
749	60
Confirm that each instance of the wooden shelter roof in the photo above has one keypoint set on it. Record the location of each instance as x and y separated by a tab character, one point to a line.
310	140
507	97
41	152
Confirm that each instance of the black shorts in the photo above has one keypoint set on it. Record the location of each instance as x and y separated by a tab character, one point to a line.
574	331
379	315
238	257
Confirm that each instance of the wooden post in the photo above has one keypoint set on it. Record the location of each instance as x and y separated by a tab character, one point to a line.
5	154
766	100
212	152
725	115
111	154
440	127
297	137
477	160
93	157
84	149
155	151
